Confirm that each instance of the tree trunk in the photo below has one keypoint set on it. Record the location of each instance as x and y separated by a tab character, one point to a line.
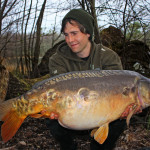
97	38
37	44
26	54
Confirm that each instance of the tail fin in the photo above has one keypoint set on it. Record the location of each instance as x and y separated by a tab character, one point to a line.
12	120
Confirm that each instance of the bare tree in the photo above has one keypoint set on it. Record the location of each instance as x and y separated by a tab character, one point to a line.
93	13
32	38
26	52
122	13
6	7
37	44
28	15
89	5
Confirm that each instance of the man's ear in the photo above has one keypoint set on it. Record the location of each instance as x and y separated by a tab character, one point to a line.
88	35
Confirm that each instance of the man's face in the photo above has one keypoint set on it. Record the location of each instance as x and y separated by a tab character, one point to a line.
76	40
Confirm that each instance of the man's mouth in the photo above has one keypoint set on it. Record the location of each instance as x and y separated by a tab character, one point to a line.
74	45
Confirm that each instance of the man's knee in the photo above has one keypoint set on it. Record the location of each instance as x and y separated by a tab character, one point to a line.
62	135
56	129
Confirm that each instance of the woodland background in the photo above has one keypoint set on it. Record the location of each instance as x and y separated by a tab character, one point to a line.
29	28
30	34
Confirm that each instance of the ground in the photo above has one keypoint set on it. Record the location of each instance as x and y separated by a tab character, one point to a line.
34	135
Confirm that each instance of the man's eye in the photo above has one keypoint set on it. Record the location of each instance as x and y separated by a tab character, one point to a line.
65	34
74	33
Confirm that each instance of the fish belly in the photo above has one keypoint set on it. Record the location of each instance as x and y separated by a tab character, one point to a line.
92	114
85	116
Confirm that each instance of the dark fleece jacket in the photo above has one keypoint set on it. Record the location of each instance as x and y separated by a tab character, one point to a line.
101	57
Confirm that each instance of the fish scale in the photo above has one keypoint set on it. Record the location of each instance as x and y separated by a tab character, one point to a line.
79	100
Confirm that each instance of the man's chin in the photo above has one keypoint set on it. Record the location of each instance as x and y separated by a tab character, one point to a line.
75	50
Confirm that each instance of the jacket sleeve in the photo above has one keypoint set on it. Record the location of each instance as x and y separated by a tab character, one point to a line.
56	65
110	59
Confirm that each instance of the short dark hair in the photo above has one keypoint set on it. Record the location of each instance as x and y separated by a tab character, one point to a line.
73	22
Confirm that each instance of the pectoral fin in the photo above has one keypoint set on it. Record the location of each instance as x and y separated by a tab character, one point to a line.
101	134
93	132
132	111
36	115
46	114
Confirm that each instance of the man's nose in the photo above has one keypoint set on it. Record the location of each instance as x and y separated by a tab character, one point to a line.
70	38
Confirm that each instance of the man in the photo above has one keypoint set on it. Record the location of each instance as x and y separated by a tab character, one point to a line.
79	53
